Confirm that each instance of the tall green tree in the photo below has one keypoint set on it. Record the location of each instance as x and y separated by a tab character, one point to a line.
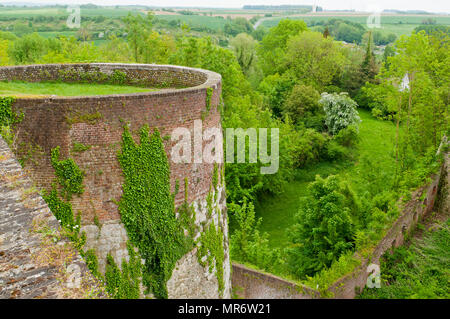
138	29
273	45
323	228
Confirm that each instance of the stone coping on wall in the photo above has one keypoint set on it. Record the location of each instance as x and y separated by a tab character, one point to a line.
196	79
36	260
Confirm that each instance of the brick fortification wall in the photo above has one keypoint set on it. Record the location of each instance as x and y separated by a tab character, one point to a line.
97	122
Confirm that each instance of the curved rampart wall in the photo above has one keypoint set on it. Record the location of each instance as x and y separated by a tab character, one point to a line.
97	122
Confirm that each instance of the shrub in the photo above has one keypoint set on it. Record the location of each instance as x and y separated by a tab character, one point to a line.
348	136
335	151
302	103
340	111
247	244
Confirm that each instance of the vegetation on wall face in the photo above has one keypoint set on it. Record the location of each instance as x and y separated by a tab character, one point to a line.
70	179
125	283
147	209
61	209
69	175
211	253
209	93
7	116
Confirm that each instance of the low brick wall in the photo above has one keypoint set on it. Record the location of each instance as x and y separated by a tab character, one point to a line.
131	74
352	284
252	284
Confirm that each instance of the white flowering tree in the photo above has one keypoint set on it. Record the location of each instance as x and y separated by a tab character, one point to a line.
340	111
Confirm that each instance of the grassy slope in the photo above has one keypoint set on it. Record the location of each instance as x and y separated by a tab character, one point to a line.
421	270
18	88
376	140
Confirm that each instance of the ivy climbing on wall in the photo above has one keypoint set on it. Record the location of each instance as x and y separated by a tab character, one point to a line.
148	211
69	175
211	253
209	94
69	181
211	250
7	116
125	283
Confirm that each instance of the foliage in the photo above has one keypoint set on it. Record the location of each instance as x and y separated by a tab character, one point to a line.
124	283
340	111
69	175
238	26
274	43
138	28
61	209
4	58
314	60
419	271
302	103
92	262
369	67
247	244
211	252
244	47
324	228
147	208
28	49
80	147
7	115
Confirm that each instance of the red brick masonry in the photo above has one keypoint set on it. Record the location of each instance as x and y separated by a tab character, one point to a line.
98	121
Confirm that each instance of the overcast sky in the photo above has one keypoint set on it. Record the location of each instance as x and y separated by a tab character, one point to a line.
360	5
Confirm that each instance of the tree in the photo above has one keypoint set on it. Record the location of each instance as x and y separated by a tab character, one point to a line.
323	228
340	111
28	49
315	60
138	28
348	33
273	45
302	103
259	33
4	58
369	67
247	244
244	47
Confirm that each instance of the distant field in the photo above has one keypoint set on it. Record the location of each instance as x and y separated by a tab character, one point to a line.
213	23
20	88
53	34
28	12
397	24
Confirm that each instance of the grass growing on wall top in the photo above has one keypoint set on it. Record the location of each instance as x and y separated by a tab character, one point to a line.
419	271
21	88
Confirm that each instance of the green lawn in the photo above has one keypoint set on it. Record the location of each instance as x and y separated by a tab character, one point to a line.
376	140
19	88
